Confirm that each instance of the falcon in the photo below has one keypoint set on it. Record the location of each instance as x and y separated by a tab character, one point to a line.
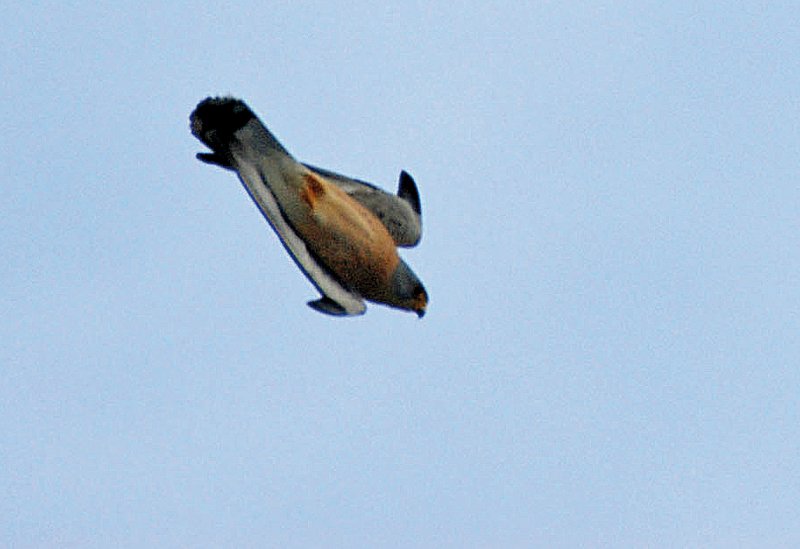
343	233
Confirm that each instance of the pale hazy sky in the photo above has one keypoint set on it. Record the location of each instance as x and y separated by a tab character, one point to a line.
611	355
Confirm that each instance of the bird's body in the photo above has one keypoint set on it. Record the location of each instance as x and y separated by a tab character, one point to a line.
341	232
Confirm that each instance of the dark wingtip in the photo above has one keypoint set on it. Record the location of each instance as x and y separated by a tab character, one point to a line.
215	119
327	306
216	159
407	190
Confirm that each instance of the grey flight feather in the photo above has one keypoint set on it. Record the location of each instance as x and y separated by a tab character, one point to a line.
401	214
242	143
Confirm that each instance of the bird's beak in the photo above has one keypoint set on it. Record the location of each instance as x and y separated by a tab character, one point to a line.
422	305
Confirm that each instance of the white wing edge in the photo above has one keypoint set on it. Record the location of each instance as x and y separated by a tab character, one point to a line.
253	182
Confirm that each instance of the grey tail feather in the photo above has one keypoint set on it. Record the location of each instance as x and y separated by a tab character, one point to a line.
407	190
216	119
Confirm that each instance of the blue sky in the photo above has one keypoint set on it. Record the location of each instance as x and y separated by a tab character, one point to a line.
610	202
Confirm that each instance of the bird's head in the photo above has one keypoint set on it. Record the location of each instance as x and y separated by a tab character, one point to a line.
407	291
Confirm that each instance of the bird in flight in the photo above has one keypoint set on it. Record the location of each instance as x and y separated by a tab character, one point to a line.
342	233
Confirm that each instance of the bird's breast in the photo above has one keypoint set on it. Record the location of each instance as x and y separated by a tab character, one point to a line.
347	238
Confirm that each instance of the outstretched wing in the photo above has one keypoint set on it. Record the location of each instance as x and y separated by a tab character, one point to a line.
400	213
240	142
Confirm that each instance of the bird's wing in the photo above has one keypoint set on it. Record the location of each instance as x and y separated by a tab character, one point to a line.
240	142
401	214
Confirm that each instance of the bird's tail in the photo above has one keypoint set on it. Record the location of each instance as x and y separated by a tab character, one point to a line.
216	120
